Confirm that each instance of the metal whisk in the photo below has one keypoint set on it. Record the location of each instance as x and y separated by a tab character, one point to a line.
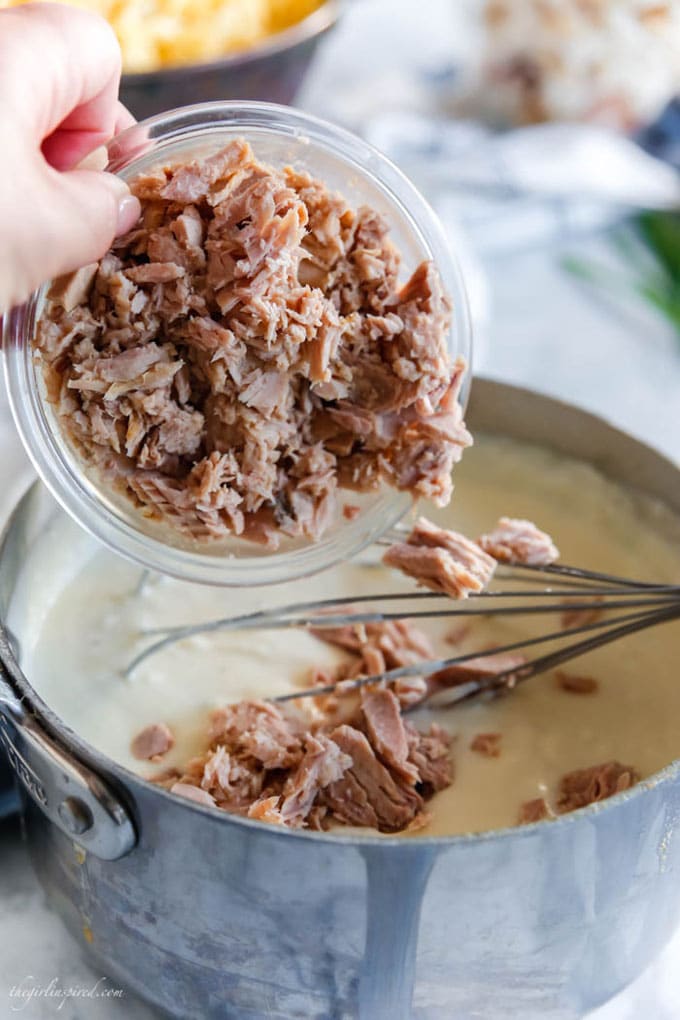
629	606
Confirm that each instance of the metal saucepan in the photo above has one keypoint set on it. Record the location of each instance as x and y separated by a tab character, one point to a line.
208	915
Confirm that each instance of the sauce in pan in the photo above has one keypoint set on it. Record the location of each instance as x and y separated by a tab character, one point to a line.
86	625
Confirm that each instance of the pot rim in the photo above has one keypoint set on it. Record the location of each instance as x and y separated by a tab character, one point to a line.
311	27
126	779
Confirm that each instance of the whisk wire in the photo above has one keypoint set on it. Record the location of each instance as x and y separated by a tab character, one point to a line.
315	613
500	681
571	590
625	625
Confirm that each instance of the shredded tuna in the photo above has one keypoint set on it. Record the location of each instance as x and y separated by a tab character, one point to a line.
260	730
246	349
152	742
534	811
379	647
518	541
442	560
587	786
574	684
373	770
487	744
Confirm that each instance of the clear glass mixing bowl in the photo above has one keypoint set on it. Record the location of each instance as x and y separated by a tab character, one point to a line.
279	136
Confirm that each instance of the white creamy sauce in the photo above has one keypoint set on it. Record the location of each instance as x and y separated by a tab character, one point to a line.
85	627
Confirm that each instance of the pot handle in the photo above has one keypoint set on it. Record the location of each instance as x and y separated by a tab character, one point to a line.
73	797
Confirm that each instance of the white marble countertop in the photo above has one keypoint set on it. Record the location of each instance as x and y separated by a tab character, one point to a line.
540	330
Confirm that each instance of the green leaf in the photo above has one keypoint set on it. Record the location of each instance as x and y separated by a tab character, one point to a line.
659	287
661	231
593	272
667	302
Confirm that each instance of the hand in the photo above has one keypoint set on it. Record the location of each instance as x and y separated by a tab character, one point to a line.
59	75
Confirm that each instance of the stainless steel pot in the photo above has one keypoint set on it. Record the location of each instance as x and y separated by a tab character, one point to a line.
206	915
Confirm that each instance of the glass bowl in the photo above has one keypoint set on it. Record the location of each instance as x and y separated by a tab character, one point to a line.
279	136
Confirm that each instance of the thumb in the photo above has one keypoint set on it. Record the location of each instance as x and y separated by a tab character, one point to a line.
86	210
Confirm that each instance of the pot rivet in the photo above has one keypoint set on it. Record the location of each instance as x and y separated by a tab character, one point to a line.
75	815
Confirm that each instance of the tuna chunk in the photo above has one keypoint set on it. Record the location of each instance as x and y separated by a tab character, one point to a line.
387	733
534	811
351	637
69	291
193	793
266	810
487	744
394	638
482	668
430	753
432	568
582	617
152	742
575	684
324	763
367	794
442	560
155	272
587	786
518	541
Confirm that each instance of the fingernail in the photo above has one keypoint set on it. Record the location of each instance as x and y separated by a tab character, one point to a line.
129	211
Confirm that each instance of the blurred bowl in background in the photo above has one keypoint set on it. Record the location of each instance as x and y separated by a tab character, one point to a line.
271	72
613	64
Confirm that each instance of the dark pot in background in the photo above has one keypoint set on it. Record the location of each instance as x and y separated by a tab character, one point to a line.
271	72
